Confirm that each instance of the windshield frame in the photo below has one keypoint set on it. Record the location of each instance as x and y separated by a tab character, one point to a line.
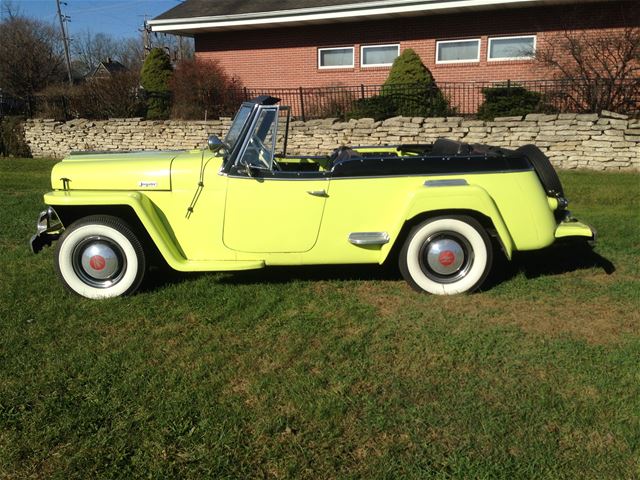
238	124
243	126
249	132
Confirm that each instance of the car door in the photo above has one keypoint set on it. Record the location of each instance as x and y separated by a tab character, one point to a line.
267	211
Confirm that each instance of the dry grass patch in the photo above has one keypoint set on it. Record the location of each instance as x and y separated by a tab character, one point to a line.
599	321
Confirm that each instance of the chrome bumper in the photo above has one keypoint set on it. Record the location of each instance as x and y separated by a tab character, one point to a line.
48	228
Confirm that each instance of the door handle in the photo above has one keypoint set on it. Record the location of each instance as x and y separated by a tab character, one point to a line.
318	193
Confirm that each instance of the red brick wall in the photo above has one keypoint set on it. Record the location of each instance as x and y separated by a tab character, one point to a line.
288	57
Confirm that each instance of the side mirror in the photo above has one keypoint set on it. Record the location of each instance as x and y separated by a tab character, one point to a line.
215	143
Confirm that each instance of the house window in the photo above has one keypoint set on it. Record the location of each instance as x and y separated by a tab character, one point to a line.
378	55
451	51
335	57
512	48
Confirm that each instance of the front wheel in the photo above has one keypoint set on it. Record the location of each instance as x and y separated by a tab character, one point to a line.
100	257
446	255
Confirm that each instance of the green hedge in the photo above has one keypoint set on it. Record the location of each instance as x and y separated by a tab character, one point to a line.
508	101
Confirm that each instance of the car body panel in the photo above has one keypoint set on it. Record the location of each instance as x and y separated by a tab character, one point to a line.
99	171
273	216
318	227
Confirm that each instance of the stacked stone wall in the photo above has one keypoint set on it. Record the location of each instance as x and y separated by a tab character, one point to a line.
608	141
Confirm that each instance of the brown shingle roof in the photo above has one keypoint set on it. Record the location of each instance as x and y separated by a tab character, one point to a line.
214	8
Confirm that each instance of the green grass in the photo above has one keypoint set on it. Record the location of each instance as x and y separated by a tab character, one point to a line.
326	372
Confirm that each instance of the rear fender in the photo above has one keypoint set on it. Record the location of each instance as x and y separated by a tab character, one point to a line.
467	199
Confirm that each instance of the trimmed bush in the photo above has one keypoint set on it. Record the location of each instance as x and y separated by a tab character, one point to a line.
378	108
508	101
413	88
154	78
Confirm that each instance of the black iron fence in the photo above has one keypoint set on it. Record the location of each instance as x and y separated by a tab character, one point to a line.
445	98
462	98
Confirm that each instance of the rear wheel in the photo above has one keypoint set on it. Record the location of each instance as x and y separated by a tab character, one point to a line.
446	255
100	257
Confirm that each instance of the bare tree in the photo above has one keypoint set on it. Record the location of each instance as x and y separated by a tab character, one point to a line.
131	53
30	55
600	69
8	9
178	48
90	49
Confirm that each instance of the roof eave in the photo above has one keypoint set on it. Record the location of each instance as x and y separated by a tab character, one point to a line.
351	12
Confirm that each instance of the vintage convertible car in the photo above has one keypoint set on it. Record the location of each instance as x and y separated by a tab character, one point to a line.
242	205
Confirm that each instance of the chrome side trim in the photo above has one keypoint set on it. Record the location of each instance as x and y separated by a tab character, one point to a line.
449	182
369	238
318	193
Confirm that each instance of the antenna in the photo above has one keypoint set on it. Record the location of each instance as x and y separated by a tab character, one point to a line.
65	39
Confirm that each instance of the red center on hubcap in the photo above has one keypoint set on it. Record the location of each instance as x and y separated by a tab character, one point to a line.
97	262
446	258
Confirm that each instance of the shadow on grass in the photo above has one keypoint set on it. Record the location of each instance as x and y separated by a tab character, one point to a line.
158	277
560	258
313	273
555	260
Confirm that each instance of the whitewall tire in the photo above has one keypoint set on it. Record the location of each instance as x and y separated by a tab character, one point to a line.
100	257
446	255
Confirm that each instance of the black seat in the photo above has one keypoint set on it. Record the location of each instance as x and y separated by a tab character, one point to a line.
445	147
342	154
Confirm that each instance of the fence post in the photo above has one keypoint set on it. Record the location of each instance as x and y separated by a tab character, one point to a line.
362	91
508	87
302	105
246	94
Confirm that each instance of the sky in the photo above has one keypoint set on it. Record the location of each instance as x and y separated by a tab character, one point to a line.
120	18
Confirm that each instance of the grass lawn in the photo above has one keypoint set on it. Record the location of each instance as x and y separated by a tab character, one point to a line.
326	372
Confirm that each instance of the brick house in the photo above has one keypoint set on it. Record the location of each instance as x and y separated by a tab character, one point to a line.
313	43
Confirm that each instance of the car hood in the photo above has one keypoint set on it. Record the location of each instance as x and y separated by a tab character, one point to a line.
114	171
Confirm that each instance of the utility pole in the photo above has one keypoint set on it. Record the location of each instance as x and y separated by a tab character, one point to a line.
65	40
145	30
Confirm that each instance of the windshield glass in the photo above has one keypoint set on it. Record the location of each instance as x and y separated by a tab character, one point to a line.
237	125
261	144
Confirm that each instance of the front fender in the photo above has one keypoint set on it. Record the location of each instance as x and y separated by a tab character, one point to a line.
141	205
462	198
160	233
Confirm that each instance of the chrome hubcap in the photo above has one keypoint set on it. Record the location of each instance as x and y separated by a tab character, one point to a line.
99	262
446	257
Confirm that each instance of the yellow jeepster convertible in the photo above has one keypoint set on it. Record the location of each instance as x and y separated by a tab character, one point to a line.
243	203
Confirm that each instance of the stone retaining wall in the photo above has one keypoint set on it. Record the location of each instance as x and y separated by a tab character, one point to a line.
608	141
